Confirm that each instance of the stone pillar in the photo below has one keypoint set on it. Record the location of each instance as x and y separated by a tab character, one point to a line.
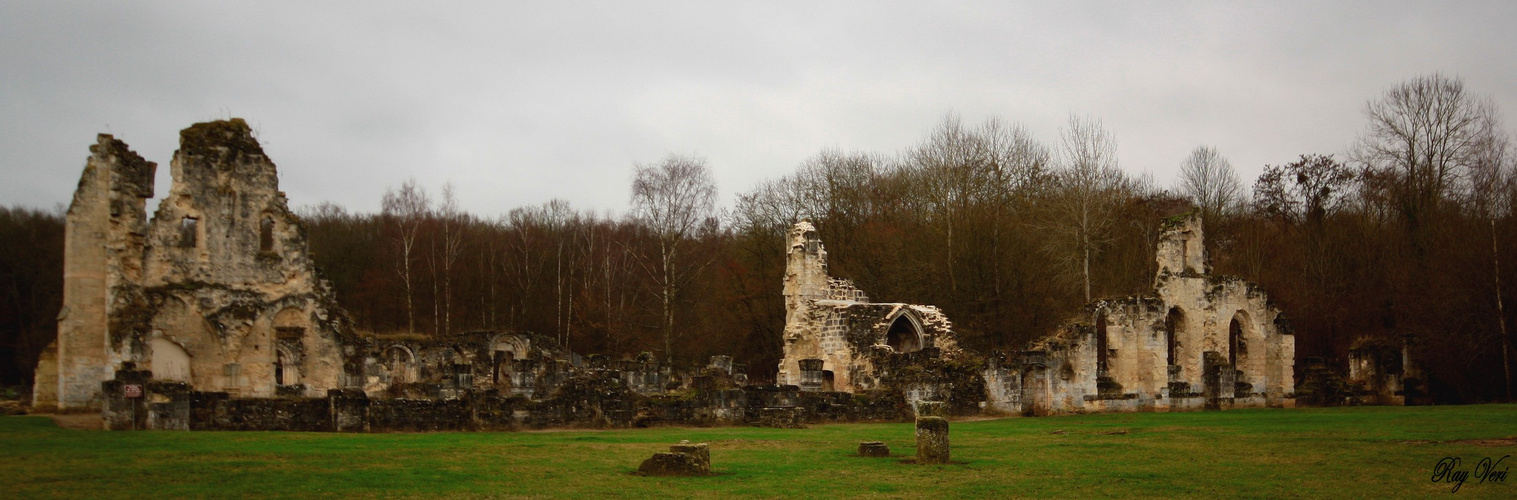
932	440
1219	381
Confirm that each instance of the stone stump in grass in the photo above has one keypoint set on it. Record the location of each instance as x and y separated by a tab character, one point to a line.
873	449
701	452
683	459
932	440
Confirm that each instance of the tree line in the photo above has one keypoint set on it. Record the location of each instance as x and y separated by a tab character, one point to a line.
1401	237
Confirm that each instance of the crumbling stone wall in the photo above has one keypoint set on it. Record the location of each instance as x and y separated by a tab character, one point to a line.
103	246
219	284
1377	369
1200	341
835	338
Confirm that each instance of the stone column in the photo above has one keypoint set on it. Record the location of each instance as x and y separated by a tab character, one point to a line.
932	440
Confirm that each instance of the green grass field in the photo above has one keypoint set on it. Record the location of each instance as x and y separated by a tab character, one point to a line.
1353	452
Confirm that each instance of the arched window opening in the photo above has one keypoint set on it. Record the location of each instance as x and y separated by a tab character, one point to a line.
903	335
1172	326
400	364
1102	347
286	367
266	234
1237	344
496	359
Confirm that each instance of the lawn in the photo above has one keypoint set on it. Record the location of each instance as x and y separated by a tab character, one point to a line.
1356	452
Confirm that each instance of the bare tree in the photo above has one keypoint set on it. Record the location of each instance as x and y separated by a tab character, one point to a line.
453	221
1210	182
1491	182
406	209
1090	186
1307	190
1427	132
672	198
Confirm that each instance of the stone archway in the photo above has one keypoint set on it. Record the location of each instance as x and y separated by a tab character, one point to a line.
1240	334
399	363
286	367
904	334
1174	326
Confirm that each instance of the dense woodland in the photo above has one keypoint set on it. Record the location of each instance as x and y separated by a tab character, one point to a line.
1406	235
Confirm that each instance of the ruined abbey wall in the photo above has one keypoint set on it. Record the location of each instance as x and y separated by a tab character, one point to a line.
216	290
835	338
103	246
1201	341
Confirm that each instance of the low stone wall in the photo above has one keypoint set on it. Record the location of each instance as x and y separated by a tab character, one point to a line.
590	403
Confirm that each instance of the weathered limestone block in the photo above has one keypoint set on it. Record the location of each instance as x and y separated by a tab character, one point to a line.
670	464
874	449
932	440
683	459
701	452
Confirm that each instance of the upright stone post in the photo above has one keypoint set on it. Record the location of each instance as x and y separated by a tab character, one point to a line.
932	440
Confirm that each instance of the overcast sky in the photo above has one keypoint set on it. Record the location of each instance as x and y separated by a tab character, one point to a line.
517	105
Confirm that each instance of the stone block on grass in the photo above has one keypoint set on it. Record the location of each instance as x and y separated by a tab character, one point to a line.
873	449
683	459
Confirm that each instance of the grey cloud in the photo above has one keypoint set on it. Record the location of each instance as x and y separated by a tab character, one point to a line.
519	104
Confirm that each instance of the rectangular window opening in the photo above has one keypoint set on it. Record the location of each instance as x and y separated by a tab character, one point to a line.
188	232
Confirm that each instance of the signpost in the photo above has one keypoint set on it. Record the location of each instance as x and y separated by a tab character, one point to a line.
132	392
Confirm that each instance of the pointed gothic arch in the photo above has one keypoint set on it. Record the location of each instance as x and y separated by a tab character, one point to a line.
905	333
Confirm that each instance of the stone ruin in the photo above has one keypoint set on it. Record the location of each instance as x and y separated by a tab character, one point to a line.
932	433
1200	341
216	291
874	449
836	339
1380	371
683	459
210	315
